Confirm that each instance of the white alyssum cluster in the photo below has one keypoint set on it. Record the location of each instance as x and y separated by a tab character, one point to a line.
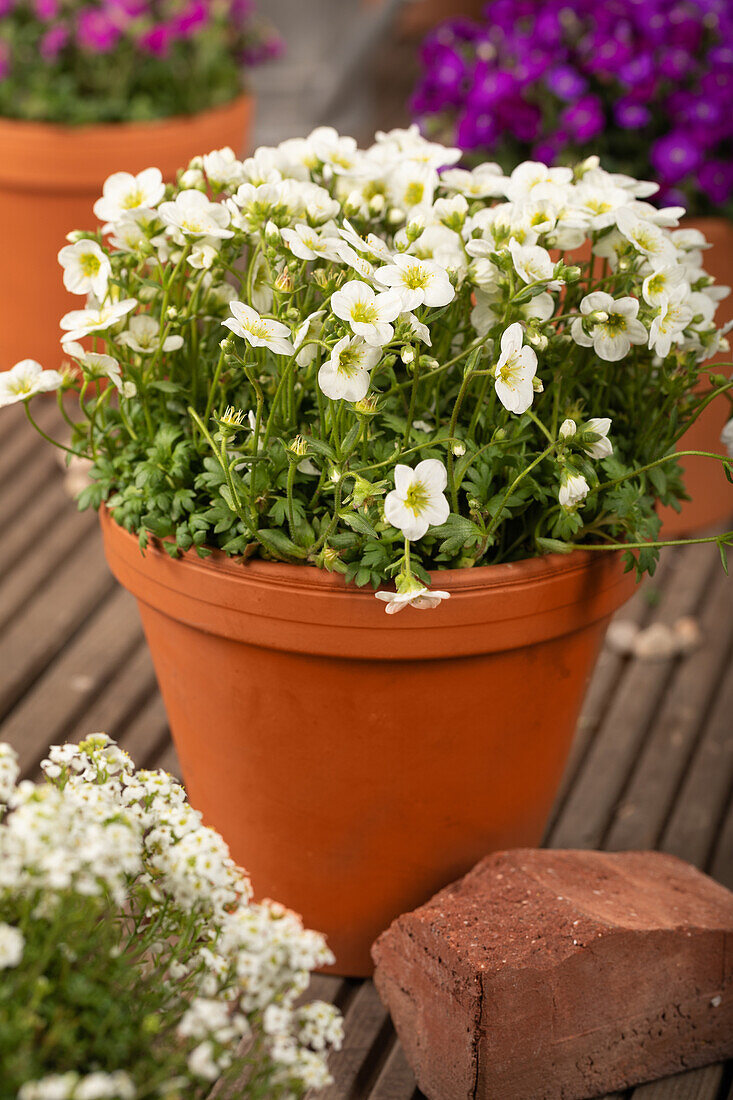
100	828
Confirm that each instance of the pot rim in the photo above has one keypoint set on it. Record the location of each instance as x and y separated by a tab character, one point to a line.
48	157
305	609
85	130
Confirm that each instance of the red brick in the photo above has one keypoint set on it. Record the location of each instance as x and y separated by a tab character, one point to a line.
554	975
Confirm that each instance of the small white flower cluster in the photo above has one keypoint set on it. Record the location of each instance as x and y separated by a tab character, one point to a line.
99	828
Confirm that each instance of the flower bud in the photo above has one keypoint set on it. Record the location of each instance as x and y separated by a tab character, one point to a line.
538	340
407	355
171	313
272	233
597	317
458	449
395	216
568	428
415	227
376	205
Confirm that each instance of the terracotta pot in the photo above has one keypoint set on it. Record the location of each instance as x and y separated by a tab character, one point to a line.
712	495
356	762
50	177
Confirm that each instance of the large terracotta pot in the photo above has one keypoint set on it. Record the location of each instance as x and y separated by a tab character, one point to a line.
50	177
712	495
356	762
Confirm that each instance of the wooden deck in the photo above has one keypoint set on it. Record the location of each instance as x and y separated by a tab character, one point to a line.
652	765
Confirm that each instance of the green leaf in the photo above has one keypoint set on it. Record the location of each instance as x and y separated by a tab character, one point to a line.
358	522
277	542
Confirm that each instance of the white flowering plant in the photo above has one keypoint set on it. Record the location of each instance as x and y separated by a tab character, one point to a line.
134	963
379	363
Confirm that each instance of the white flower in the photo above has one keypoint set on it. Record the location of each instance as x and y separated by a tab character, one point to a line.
304	241
419	596
346	373
223	168
614	325
26	379
309	331
726	437
646	237
9	771
81	322
195	216
418	500
368	314
56	1086
668	325
573	489
601	447
122	192
143	336
485	181
201	1062
666	282
105	1086
515	371
12	943
412	186
258	331
204	253
418	282
96	364
535	180
533	264
568	428
86	268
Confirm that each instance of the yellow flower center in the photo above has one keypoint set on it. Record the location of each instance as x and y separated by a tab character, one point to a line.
616	323
260	329
416	497
133	199
89	263
416	278
365	313
349	362
414	193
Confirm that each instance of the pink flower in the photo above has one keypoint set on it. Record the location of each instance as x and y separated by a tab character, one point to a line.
53	42
97	31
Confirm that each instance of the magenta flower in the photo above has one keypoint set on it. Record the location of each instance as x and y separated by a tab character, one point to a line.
53	42
96	31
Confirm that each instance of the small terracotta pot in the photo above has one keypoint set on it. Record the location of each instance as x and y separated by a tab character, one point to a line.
357	762
712	495
50	177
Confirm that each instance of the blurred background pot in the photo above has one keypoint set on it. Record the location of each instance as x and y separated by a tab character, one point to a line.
712	495
354	761
50	177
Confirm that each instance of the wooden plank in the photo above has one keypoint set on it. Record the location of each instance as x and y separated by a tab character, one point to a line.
124	696
609	763
721	867
698	1084
604	681
700	807
396	1080
67	686
21	445
30	523
51	617
659	772
65	539
367	1027
146	736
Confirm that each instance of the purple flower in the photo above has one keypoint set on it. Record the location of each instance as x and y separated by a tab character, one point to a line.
566	82
157	41
631	115
674	156
716	180
584	119
53	42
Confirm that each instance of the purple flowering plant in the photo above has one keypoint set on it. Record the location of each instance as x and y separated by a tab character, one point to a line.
98	61
644	84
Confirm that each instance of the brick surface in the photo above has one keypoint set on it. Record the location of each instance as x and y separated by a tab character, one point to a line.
561	975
